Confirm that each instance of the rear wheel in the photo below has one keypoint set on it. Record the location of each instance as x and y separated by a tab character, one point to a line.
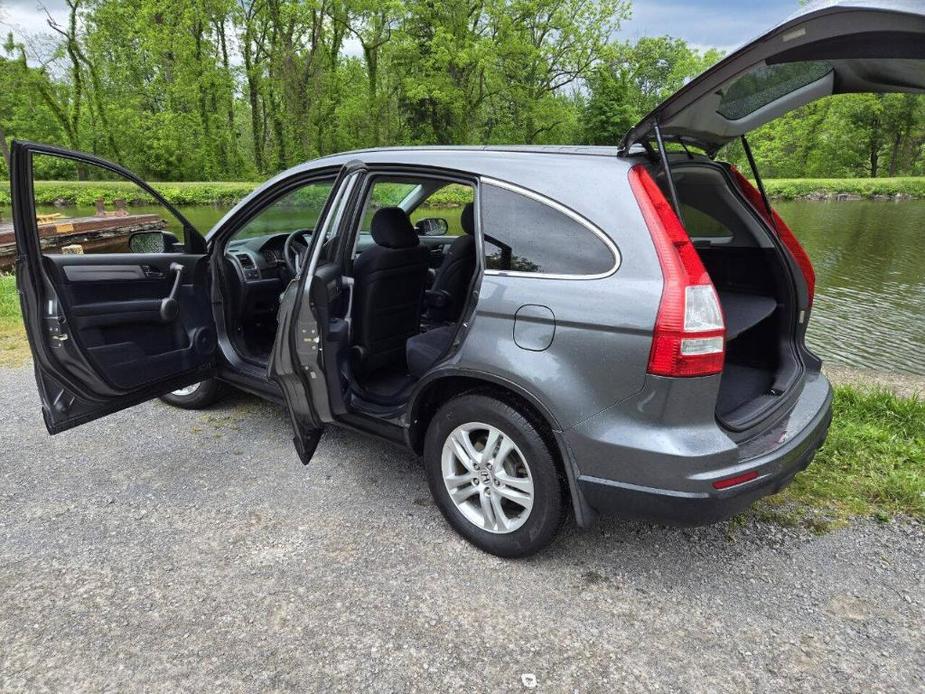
493	476
195	396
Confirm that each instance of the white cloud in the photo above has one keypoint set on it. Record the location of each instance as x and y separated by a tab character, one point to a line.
23	18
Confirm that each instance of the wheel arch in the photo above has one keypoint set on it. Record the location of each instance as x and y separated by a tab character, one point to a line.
438	388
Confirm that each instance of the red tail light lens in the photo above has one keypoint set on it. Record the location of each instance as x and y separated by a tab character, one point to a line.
753	195
690	333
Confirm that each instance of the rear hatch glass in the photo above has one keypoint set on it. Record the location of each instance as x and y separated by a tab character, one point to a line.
824	49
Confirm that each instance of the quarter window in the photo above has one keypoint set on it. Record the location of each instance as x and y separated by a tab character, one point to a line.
522	234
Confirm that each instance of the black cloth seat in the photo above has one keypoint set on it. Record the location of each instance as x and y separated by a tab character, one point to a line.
389	283
455	272
425	349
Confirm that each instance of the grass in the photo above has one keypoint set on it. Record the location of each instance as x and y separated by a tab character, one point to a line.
14	350
868	188
85	193
872	465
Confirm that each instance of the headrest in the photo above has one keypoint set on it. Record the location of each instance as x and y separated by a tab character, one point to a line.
467	218
392	228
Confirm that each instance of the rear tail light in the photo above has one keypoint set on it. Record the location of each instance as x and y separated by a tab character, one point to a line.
690	334
753	195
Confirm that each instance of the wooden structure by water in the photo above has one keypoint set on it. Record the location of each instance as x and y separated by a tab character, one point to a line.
108	233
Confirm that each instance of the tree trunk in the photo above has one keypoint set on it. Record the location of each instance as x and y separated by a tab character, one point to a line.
5	150
895	153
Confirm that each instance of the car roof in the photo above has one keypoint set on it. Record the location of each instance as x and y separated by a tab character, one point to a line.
412	151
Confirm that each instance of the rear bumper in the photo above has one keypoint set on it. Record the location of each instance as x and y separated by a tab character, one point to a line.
681	491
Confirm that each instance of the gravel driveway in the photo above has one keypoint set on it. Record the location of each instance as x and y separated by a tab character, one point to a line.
161	549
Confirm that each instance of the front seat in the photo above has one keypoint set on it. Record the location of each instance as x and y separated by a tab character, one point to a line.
389	281
447	295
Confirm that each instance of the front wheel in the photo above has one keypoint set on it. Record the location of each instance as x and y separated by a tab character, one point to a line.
195	396
493	476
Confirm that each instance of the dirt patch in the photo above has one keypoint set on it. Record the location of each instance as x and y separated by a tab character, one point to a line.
903	385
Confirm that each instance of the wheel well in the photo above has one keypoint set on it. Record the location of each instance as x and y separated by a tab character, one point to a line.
444	389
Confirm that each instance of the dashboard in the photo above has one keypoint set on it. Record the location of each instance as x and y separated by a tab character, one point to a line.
259	258
259	264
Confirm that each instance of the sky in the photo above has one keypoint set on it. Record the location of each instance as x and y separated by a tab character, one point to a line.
720	24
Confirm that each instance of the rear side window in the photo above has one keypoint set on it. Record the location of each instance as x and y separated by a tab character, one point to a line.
523	234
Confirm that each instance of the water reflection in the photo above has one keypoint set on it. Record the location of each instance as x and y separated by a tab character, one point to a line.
870	298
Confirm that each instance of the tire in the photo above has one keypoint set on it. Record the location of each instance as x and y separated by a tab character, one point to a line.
197	396
521	461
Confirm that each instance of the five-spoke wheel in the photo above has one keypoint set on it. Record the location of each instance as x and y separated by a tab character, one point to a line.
493	475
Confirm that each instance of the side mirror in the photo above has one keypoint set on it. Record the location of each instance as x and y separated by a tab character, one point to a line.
153	242
432	226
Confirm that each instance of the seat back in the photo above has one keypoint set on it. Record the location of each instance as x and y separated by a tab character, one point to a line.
455	272
389	281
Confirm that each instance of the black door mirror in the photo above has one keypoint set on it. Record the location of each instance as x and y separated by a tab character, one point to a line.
432	226
154	242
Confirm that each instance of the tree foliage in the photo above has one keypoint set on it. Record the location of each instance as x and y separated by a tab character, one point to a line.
239	89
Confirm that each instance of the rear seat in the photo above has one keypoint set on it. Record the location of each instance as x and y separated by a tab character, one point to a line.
422	351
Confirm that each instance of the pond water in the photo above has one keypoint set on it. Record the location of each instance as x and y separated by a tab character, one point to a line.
870	267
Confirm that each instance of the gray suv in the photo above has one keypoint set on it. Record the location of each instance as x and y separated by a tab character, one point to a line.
595	330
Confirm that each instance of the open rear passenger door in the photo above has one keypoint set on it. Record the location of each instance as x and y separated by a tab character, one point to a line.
108	328
310	339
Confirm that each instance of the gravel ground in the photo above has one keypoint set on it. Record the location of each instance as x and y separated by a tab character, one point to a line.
160	549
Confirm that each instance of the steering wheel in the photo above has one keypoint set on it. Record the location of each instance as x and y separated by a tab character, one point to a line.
294	249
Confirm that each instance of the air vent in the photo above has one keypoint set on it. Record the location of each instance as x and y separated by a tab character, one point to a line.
246	261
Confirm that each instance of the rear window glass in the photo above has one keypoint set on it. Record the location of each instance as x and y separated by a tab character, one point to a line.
522	234
702	225
766	84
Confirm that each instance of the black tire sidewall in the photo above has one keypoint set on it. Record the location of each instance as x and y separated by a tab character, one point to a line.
208	392
547	512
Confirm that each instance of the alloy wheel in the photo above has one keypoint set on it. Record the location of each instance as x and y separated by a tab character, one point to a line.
487	477
189	390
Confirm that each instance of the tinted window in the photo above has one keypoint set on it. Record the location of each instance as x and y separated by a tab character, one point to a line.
703	225
768	83
526	235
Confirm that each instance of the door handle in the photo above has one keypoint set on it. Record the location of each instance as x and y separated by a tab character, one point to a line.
170	307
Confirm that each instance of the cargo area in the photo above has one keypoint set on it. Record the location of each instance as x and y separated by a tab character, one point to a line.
755	288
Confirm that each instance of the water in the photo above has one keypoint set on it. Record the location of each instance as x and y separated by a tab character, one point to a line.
870	267
870	293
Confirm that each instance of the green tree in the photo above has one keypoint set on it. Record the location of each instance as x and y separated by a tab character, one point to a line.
633	79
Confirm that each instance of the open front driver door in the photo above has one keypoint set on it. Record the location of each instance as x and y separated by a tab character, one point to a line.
108	328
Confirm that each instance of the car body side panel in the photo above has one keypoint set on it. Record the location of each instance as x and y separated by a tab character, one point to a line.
599	351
